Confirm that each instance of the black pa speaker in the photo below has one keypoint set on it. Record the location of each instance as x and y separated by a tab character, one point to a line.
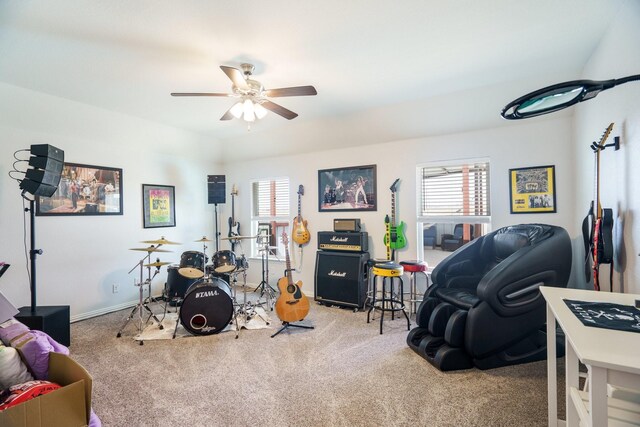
47	162
341	278
216	189
53	320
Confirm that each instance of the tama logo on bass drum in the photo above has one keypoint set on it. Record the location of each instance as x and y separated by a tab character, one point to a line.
206	294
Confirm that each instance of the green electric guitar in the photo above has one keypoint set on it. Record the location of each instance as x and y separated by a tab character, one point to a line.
395	238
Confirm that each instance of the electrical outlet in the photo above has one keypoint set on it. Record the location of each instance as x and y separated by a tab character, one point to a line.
115	288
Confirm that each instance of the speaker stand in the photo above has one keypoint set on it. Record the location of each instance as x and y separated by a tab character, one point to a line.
286	325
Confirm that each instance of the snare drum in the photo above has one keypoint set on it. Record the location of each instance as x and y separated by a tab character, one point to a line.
177	284
207	307
224	262
192	264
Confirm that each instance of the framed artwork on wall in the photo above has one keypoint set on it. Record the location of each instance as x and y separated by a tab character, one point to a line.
347	189
84	190
533	189
158	206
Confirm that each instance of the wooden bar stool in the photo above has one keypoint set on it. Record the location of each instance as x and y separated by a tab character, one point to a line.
391	273
413	267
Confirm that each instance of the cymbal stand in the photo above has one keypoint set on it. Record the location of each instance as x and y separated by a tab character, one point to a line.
264	286
142	303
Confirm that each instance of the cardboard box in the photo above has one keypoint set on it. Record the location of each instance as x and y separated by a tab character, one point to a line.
68	406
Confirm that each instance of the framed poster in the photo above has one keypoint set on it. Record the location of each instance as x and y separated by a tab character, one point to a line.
533	190
84	190
158	205
347	189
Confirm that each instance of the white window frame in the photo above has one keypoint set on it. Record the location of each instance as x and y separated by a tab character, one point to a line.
422	220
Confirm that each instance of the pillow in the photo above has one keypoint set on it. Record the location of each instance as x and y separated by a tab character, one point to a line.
22	392
35	347
12	370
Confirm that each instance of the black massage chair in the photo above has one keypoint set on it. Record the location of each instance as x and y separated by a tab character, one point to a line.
484	308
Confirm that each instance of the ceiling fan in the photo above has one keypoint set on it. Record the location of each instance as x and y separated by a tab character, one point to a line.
253	97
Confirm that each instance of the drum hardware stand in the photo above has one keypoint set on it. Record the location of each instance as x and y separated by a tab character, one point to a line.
264	284
287	325
143	302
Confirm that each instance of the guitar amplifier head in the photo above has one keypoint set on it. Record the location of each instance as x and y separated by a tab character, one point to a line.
346	224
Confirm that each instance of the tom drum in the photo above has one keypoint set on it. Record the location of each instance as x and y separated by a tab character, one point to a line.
224	262
192	264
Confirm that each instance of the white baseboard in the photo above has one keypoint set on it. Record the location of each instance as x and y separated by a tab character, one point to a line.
102	311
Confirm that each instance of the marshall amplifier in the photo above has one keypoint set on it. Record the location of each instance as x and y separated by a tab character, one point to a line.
344	224
343	241
341	278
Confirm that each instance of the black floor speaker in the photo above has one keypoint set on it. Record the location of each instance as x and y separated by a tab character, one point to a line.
341	278
54	320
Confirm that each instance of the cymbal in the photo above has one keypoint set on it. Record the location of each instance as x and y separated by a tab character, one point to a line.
238	237
157	264
160	241
204	239
149	249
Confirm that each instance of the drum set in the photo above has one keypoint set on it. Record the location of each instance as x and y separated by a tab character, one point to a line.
204	294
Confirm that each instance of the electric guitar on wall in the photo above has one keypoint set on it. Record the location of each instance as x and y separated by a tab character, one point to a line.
601	241
395	239
234	226
292	305
300	233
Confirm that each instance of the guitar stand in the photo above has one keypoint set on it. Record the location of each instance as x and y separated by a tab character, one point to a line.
286	325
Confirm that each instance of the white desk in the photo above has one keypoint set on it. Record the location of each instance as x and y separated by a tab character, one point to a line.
612	357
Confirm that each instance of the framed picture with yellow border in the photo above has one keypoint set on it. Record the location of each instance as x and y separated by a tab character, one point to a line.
533	189
158	205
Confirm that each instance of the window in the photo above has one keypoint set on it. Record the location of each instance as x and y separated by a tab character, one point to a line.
453	205
269	211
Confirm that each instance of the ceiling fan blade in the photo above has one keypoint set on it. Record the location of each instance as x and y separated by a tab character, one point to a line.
227	115
291	91
279	109
236	77
199	94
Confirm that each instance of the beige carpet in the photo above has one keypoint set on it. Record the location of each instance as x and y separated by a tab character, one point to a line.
342	373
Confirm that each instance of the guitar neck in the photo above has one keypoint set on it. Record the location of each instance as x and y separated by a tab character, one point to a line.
393	208
288	263
598	204
299	207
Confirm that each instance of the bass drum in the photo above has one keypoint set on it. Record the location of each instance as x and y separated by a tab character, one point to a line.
224	262
207	307
177	285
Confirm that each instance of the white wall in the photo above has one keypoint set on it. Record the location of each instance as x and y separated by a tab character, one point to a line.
84	256
616	56
528	143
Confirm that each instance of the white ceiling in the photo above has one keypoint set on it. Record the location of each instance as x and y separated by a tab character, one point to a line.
400	69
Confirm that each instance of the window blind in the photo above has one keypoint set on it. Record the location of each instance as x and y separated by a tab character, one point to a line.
271	198
455	190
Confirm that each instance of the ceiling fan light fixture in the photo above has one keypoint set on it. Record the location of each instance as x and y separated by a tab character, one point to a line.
259	110
237	110
249	114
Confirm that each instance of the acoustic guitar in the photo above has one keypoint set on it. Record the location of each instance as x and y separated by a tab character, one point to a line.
292	305
395	238
300	233
602	227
